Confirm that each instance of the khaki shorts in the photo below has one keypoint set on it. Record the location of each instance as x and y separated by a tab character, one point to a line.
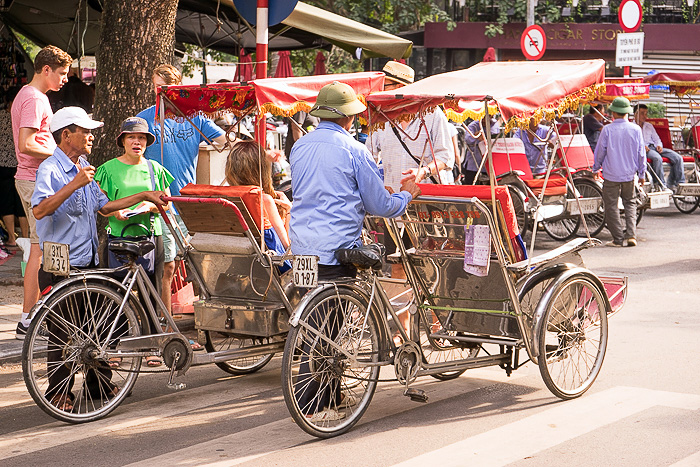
25	189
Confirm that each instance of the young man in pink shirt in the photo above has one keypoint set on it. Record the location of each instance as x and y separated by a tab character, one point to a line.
31	115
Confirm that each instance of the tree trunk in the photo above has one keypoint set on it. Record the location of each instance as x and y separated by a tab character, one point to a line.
136	37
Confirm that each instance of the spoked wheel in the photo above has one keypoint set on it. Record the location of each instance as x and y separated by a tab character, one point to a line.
687	204
60	362
595	221
327	379
219	341
572	337
521	214
565	228
442	350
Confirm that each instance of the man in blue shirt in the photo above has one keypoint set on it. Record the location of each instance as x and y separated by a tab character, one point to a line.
180	154
65	203
620	153
472	159
335	181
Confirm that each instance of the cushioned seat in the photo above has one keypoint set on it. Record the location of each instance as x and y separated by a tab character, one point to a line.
226	244
556	186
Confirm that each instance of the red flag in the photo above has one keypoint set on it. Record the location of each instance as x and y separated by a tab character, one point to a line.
284	65
244	70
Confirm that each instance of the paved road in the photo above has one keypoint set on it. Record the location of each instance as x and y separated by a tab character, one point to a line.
644	409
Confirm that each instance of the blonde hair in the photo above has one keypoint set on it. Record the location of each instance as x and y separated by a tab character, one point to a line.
169	74
53	57
244	164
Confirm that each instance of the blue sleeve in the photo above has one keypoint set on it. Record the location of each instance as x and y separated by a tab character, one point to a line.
42	188
375	197
601	150
210	129
474	127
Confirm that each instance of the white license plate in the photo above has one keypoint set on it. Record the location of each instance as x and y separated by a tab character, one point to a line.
56	258
588	206
305	271
689	189
661	200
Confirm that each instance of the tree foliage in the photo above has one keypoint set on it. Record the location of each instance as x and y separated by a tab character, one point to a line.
515	11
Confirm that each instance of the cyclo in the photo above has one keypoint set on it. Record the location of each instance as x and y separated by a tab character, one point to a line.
245	301
550	305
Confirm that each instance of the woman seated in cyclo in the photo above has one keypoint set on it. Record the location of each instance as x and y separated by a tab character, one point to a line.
128	174
248	164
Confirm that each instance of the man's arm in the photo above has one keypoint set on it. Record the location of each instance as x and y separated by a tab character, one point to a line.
377	200
28	144
601	150
152	196
50	204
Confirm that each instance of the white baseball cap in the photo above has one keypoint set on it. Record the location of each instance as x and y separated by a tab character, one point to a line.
73	116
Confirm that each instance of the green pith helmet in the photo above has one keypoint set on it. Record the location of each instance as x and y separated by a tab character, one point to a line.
620	105
337	100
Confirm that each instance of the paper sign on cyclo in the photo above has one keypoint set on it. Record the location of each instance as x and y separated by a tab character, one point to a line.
630	49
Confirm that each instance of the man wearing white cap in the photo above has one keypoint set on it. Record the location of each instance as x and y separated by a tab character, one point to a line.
65	203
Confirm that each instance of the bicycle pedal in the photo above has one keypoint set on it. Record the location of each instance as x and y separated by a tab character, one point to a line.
416	395
176	386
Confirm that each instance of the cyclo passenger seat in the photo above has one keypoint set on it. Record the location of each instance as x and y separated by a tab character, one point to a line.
362	257
131	247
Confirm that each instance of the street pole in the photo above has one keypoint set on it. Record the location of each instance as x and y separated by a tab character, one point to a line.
261	65
531	12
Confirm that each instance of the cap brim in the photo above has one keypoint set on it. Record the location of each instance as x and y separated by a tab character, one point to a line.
396	79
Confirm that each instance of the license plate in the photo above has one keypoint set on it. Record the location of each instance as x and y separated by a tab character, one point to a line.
661	200
305	271
588	206
56	258
689	189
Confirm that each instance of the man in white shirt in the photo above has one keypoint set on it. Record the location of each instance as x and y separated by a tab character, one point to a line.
656	151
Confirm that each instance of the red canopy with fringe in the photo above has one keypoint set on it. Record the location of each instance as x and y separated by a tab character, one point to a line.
279	96
679	83
518	89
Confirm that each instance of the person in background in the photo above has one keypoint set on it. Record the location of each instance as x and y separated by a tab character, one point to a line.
31	117
656	152
472	158
620	154
10	202
535	147
180	153
593	122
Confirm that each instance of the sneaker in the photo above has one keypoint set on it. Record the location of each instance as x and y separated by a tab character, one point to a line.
326	415
21	331
614	244
632	241
347	401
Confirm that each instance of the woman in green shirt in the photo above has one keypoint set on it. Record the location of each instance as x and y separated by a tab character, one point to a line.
132	173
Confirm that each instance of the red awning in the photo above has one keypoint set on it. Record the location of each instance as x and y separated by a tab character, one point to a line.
280	96
679	83
519	89
634	89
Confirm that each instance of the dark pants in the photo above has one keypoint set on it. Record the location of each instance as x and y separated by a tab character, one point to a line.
318	386
611	192
61	378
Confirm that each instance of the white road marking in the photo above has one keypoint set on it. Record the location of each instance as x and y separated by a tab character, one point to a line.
552	427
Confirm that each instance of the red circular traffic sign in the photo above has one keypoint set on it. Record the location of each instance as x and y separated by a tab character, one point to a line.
630	15
533	42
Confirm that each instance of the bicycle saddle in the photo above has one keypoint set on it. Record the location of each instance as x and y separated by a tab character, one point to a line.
365	256
133	247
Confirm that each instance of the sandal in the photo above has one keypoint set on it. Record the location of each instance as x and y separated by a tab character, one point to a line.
196	345
114	362
153	361
107	391
63	402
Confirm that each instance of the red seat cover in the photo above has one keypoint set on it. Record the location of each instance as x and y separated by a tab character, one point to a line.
577	150
249	194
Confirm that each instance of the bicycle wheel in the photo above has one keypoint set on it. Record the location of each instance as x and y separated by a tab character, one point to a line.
521	215
319	380
595	221
573	337
565	228
218	341
687	204
442	350
59	363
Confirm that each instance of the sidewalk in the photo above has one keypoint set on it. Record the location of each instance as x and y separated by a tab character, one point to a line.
10	307
11	282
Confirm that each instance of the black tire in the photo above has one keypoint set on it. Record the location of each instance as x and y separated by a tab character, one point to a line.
441	350
573	336
521	215
687	204
310	360
218	341
596	221
565	228
76	322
